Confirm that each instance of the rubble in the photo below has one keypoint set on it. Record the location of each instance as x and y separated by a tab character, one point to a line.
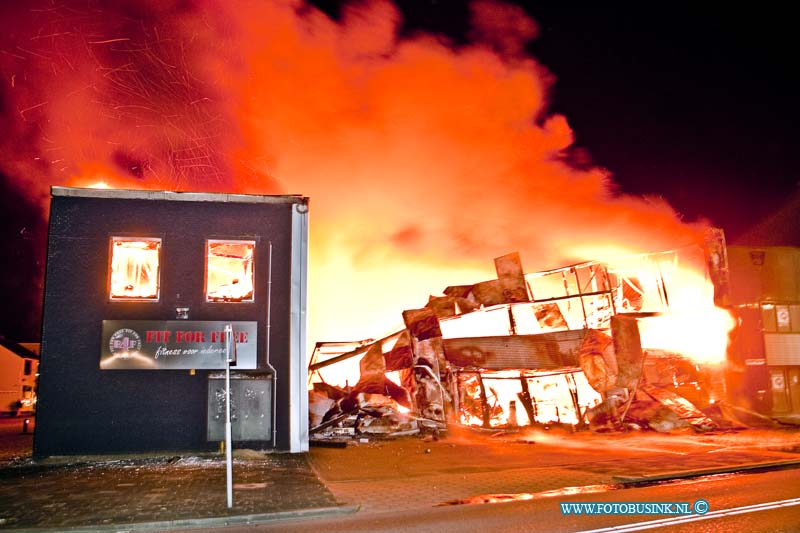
559	347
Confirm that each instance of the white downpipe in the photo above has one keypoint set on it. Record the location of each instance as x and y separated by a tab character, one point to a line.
269	365
298	366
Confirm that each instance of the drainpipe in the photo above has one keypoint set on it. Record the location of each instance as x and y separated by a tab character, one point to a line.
272	368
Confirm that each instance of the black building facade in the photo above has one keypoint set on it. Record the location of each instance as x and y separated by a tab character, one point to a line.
139	288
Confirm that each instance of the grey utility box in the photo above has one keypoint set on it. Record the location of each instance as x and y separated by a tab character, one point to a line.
251	407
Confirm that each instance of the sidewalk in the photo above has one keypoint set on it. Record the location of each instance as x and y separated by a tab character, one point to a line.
156	492
169	491
183	491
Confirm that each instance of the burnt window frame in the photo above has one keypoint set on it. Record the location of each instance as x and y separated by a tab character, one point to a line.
254	241
131	238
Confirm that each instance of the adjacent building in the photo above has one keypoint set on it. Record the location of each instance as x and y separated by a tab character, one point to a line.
19	370
765	353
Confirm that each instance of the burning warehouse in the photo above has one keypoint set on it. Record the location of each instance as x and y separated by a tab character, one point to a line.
140	287
589	344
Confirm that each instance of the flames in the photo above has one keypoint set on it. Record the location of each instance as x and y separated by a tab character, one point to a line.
666	295
677	288
135	268
421	157
556	398
700	333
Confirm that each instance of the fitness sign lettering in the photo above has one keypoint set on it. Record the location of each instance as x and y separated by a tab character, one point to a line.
174	344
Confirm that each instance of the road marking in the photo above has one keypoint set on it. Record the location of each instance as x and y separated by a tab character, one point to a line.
652	524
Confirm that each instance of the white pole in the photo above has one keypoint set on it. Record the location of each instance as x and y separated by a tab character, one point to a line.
228	460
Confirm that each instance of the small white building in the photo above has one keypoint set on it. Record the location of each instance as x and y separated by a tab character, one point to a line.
19	368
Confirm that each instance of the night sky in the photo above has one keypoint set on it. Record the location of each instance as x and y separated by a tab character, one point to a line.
697	107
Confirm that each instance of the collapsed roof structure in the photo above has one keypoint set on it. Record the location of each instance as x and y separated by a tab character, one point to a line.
563	346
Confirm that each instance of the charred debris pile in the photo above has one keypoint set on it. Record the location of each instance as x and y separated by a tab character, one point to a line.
554	348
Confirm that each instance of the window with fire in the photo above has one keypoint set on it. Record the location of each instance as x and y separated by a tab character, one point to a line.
229	271
135	270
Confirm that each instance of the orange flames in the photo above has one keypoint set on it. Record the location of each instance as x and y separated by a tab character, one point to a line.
551	400
134	269
422	158
675	285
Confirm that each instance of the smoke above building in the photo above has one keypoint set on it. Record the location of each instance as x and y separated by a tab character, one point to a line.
422	157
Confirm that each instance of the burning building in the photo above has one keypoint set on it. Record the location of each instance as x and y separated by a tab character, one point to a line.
422	154
586	343
140	286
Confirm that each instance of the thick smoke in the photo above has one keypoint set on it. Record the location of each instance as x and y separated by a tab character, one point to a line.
423	160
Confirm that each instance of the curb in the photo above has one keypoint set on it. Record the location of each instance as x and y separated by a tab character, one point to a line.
221	521
685	474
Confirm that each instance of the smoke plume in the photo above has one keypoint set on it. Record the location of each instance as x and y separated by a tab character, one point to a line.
424	160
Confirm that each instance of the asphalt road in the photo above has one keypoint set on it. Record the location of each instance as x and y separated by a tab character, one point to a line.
13	442
416	484
741	502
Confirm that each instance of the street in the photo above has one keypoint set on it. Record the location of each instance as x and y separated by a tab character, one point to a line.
747	478
724	492
16	440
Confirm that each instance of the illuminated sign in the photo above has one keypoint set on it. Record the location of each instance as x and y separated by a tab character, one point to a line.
174	344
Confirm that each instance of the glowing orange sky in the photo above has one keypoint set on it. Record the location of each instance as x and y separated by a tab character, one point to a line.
423	160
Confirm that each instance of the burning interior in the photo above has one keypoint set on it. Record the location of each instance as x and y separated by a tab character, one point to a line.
134	268
592	345
229	271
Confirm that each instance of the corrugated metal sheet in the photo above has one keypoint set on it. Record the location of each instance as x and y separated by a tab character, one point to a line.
782	349
557	349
